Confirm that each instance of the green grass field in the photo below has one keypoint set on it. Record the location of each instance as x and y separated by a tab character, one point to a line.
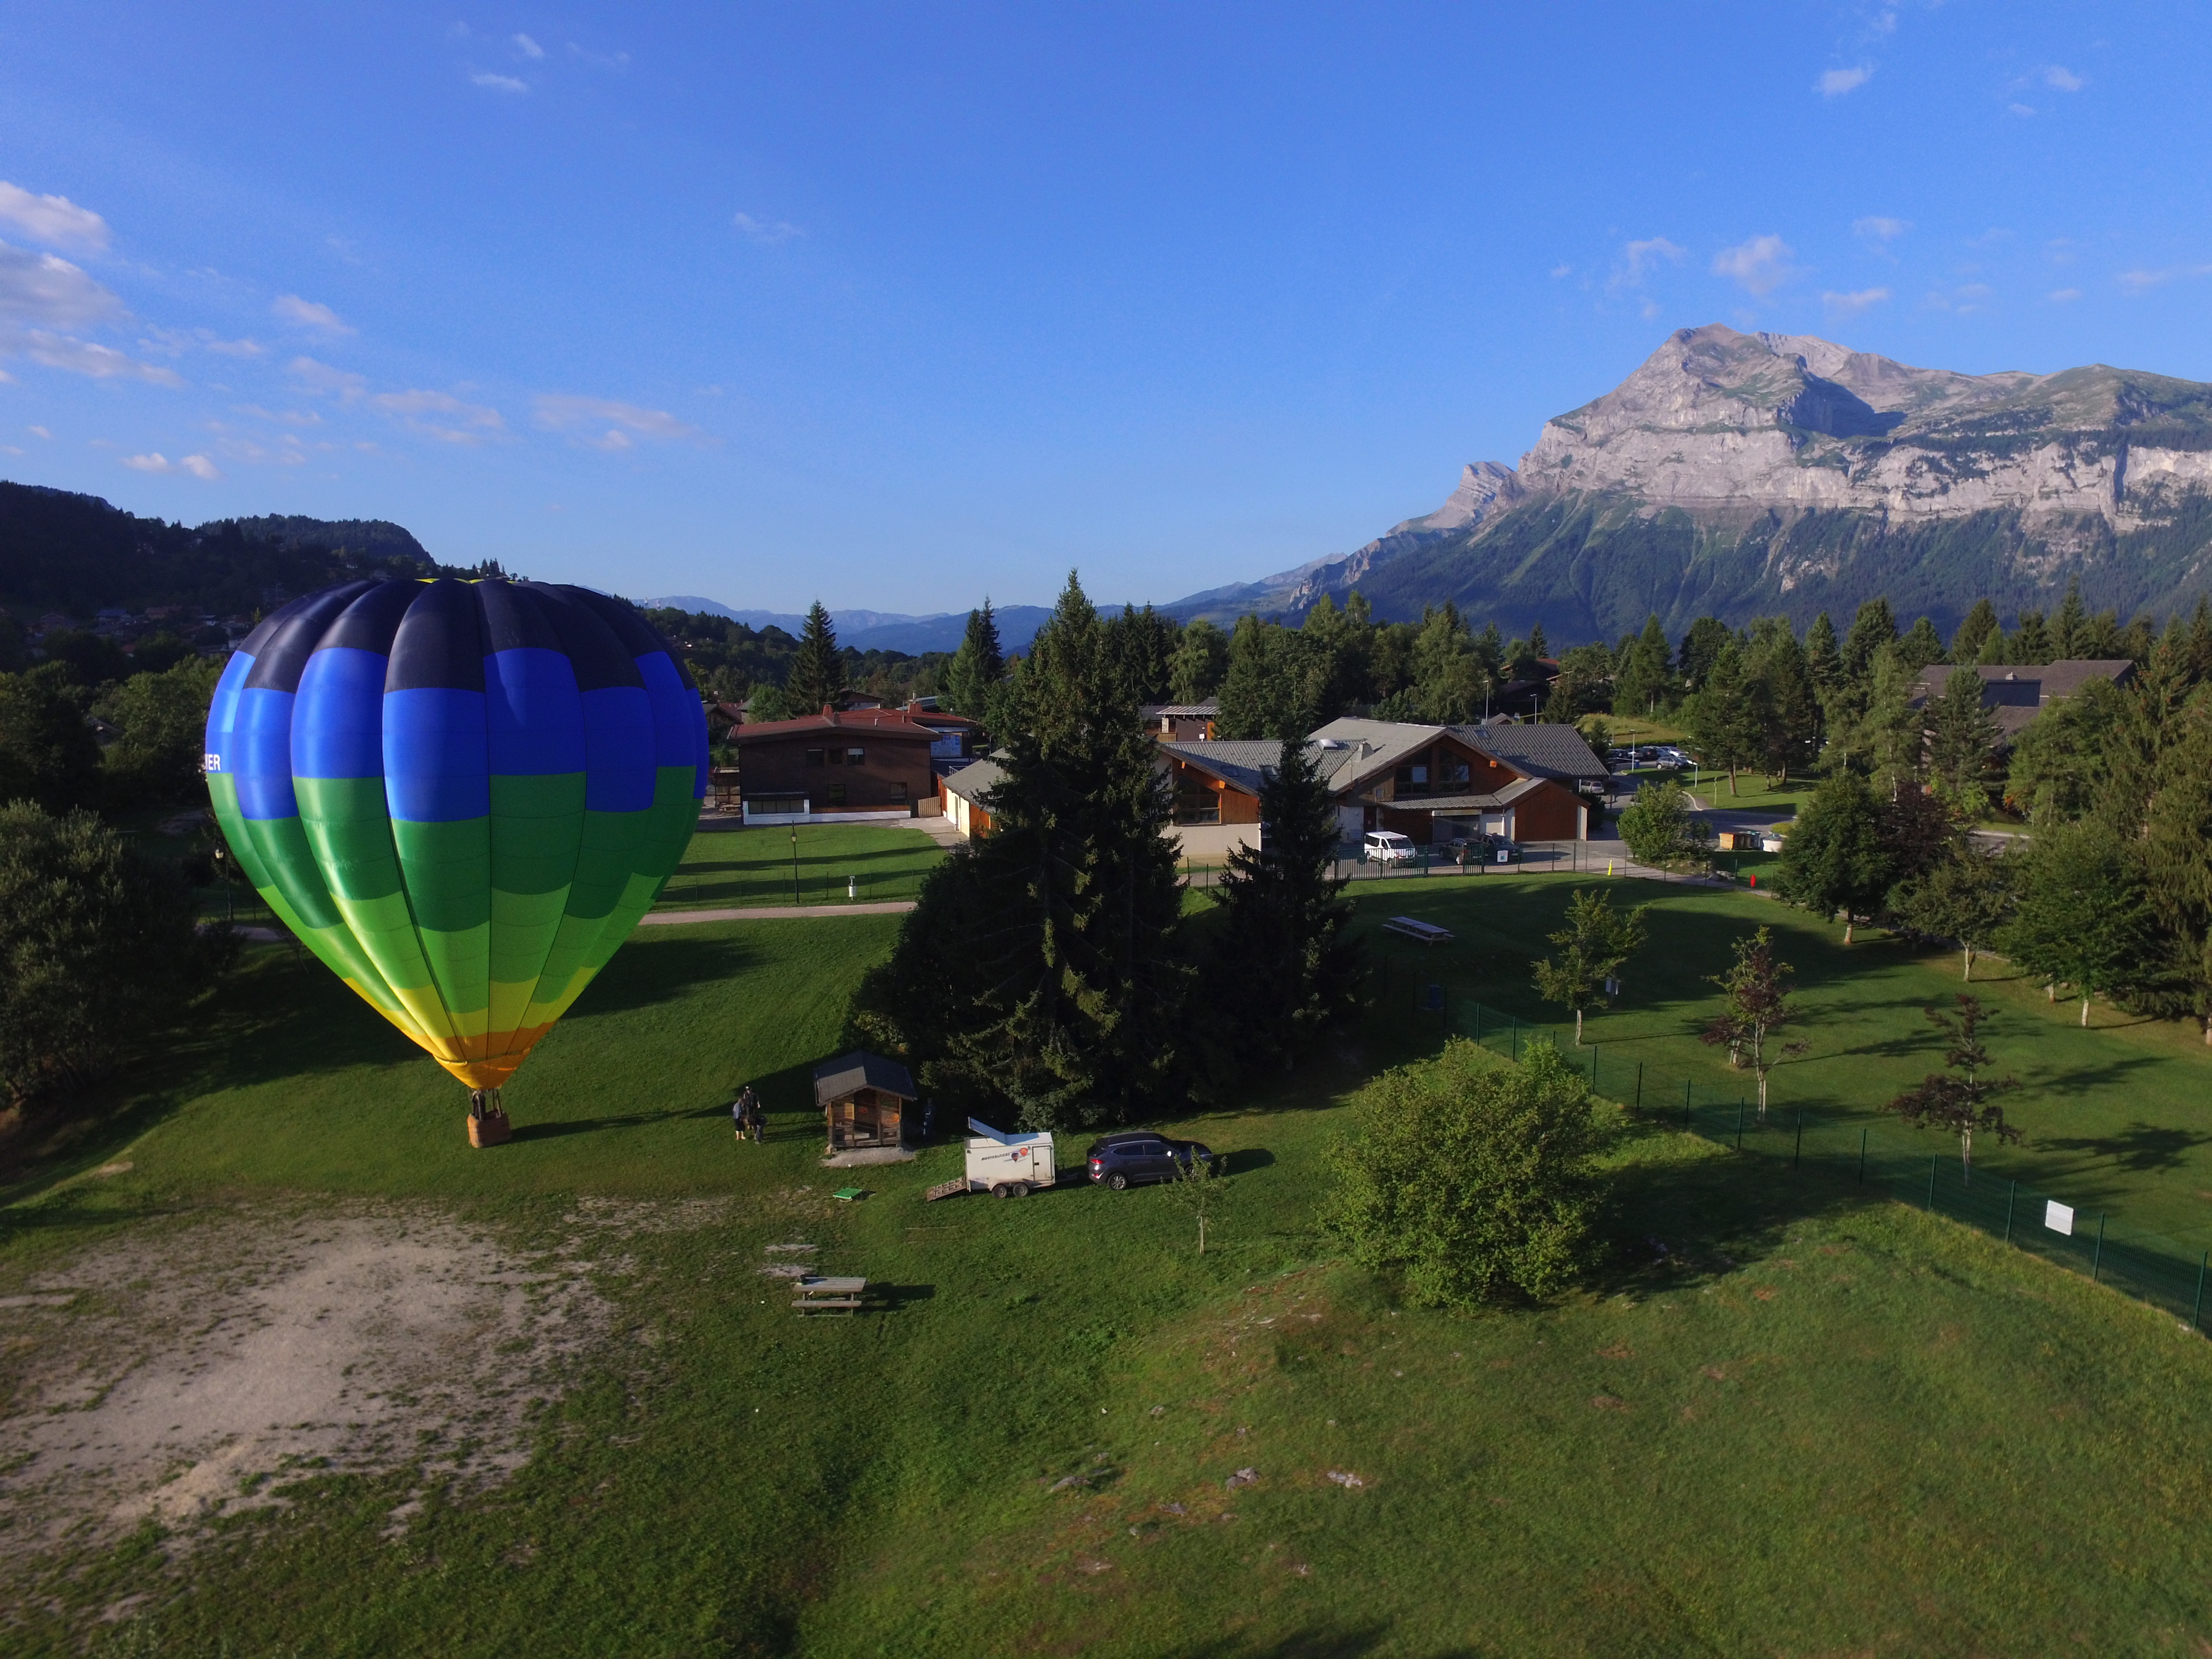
1815	1423
800	864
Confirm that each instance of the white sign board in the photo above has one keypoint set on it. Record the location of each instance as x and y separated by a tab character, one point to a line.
2059	1217
1503	855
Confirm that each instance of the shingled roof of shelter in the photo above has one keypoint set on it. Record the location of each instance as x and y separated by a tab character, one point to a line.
834	1080
975	779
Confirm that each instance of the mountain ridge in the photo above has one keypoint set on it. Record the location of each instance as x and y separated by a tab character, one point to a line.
1769	473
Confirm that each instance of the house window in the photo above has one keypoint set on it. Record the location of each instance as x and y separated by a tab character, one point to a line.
898	793
837	794
1413	780
1195	802
856	757
1451	772
815	757
836	757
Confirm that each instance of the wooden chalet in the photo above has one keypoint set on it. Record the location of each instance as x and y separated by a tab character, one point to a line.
864	1100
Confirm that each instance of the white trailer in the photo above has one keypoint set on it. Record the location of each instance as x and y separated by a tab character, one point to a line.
1006	1165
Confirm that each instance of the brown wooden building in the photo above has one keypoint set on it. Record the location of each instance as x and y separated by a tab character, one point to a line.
872	760
864	1100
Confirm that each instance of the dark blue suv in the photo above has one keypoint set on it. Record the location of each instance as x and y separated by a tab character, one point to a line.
1123	1160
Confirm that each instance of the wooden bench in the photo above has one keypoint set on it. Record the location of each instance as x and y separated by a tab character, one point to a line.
820	1295
1427	932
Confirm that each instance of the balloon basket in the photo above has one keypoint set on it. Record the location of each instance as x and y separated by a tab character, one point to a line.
492	1129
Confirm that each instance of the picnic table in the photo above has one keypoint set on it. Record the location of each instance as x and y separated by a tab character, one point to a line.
1427	932
818	1294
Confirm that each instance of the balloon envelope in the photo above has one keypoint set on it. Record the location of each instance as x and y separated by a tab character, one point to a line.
460	795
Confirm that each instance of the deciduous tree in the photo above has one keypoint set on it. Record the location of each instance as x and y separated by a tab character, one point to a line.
1592	946
1961	1097
2084	917
1660	829
1832	860
1470	1178
1757	989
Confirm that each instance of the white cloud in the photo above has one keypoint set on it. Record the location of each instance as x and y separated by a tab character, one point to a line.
528	47
1875	228
43	290
306	313
2021	109
599	60
1851	304
40	432
1762	265
1965	300
1639	259
233	348
2062	295
283	416
761	230
442	415
501	82
54	219
76	356
322	378
2063	79
559	412
1836	82
1562	271
199	466
2135	281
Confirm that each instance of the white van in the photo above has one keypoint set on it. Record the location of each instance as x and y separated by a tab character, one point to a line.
1386	846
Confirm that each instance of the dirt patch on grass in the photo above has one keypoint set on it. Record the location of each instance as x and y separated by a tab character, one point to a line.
190	1369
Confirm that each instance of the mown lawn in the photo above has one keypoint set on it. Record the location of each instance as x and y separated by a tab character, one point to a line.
800	864
1785	1417
2119	1117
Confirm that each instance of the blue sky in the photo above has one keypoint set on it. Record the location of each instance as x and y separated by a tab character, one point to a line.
897	306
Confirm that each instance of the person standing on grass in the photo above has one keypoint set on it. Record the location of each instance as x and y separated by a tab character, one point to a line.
739	1112
759	1116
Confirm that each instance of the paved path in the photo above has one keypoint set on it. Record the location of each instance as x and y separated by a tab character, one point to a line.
773	913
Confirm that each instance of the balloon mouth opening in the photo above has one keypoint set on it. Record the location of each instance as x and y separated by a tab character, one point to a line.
474	1074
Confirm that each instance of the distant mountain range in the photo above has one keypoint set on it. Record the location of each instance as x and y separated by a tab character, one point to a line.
1741	475
878	631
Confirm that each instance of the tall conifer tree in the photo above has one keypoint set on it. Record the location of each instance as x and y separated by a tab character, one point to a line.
977	667
818	671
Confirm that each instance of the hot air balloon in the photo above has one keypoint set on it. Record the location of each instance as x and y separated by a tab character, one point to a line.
460	795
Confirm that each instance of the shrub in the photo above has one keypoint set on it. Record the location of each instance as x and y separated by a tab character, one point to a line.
1469	1177
97	949
1660	831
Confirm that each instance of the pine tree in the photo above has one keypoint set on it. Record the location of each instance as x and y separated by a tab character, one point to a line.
1824	659
1974	632
2177	868
1040	976
1787	710
1201	661
1139	646
1921	644
1537	648
1643	681
1448	682
1281	967
1873	627
977	667
2069	628
2032	643
1962	736
1723	722
2199	668
818	671
1268	690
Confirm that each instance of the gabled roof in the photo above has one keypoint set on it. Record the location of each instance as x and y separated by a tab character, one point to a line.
977	780
2015	696
1489	803
1353	748
1238	763
834	1080
1557	752
859	723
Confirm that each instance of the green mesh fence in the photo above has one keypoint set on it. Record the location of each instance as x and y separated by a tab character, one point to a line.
1926	1171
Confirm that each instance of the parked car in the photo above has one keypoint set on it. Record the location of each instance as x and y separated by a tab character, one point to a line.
1482	847
1673	759
1124	1160
1386	847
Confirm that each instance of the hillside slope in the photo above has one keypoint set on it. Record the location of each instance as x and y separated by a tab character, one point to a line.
1752	474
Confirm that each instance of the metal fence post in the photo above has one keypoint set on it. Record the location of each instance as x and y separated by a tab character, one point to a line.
2197	1312
1863	1140
1686	1105
1593	1068
1478	1026
1639	1086
1740	1103
1797	1152
2011	1198
2097	1261
1933	1160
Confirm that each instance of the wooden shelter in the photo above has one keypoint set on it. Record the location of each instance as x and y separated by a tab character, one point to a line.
864	1098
